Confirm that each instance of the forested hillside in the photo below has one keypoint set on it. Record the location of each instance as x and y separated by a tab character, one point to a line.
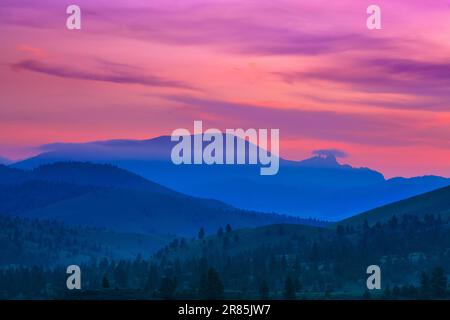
277	261
32	242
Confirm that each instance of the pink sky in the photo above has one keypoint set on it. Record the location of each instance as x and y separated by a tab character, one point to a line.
140	69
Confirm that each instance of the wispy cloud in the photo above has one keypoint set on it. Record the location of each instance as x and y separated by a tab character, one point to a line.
235	26
113	75
427	82
351	127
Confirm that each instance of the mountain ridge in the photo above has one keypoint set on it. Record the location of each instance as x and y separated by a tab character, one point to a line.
5	161
318	187
123	203
435	202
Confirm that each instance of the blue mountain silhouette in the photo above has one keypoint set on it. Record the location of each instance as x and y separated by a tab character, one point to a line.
104	196
318	187
4	160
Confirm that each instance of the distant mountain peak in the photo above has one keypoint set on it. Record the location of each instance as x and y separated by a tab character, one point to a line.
325	160
322	161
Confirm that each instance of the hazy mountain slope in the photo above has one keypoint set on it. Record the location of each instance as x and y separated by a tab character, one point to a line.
105	196
436	202
5	161
29	195
80	173
102	175
128	210
10	176
48	243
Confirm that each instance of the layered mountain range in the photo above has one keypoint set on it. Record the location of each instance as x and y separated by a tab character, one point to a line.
318	187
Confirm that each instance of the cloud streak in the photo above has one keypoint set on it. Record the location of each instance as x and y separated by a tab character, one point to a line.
427	82
114	75
236	27
364	129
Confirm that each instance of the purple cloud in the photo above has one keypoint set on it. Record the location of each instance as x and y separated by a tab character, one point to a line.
115	75
428	82
242	28
419	102
425	70
367	129
246	36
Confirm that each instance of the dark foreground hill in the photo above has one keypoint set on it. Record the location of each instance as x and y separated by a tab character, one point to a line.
436	202
82	174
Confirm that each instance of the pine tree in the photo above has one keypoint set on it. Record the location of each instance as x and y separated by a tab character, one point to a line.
167	288
264	290
366	295
289	289
211	287
424	285
328	291
121	275
201	233
365	226
387	294
225	243
396	292
105	282
393	222
438	283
